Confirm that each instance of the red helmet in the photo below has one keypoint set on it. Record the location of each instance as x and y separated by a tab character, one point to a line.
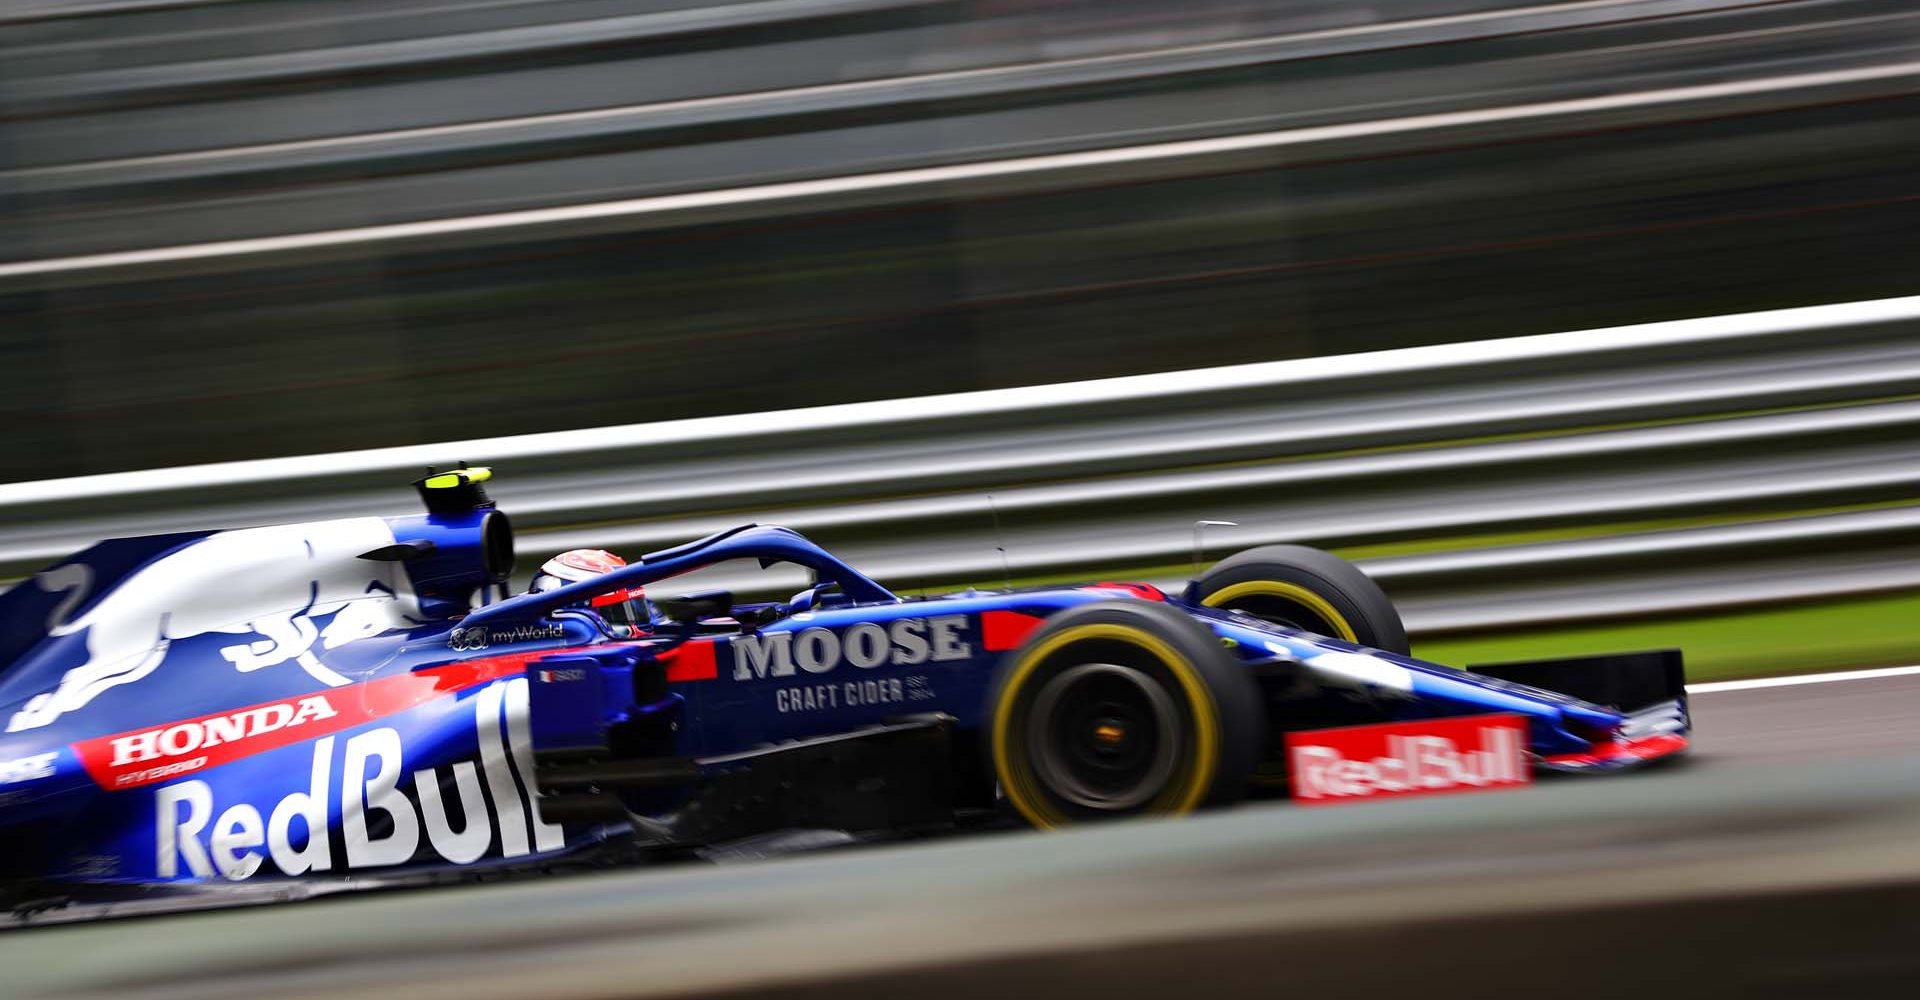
622	606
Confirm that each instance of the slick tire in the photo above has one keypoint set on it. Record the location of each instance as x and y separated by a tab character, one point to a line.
1307	589
1119	709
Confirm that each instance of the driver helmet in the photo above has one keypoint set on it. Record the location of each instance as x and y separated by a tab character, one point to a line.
622	606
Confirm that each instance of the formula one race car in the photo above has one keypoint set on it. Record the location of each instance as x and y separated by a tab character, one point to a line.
358	700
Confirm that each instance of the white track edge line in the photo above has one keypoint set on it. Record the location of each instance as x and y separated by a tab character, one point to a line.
1756	683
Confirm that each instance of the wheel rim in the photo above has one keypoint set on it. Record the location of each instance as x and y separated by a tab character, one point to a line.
1282	612
1104	736
1284	604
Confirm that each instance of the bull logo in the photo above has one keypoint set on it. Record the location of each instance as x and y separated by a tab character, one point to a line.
275	582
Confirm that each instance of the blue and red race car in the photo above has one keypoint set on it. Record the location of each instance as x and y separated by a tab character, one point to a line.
362	699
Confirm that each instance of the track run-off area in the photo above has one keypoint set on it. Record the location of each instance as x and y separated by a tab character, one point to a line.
1782	856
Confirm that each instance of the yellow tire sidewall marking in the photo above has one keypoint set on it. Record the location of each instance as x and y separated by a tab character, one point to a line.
1017	782
1288	591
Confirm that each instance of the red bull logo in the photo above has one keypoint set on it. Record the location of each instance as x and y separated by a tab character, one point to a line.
1408	758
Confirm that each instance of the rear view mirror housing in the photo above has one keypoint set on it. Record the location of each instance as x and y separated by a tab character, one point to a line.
698	605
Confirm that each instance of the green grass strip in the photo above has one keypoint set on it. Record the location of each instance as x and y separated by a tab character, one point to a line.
1783	639
1567	533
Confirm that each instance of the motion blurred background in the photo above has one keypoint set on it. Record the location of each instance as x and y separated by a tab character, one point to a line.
238	229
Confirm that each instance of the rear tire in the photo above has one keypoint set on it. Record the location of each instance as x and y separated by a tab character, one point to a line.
1307	589
1119	709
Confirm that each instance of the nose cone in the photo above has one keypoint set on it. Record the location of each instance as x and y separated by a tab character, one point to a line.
1582	716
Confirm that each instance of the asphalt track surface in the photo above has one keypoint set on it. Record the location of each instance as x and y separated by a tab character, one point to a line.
1782	859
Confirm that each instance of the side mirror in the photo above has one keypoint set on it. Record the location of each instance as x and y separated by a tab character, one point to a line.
691	608
810	598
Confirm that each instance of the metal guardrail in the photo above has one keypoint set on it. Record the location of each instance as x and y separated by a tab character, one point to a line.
1742	419
1050	172
233	172
783	110
146	82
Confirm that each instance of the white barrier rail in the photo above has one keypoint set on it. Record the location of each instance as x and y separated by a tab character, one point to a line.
1733	421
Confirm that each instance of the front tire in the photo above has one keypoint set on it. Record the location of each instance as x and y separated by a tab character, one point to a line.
1119	709
1307	589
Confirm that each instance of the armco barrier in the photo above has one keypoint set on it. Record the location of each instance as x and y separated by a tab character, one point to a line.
1728	424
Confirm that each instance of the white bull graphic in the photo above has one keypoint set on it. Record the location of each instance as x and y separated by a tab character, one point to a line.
272	582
